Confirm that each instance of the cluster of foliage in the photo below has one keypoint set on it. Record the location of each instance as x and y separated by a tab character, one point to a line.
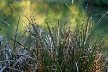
61	51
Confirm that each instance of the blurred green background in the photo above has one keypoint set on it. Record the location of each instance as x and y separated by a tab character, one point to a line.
51	11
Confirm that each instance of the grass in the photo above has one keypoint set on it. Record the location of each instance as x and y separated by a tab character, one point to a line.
61	51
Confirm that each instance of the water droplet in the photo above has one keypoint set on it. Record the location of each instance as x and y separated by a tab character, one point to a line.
96	14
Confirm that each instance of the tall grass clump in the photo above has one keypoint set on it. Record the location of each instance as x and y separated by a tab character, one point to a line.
65	50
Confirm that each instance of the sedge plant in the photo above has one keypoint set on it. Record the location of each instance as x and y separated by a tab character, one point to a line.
63	50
